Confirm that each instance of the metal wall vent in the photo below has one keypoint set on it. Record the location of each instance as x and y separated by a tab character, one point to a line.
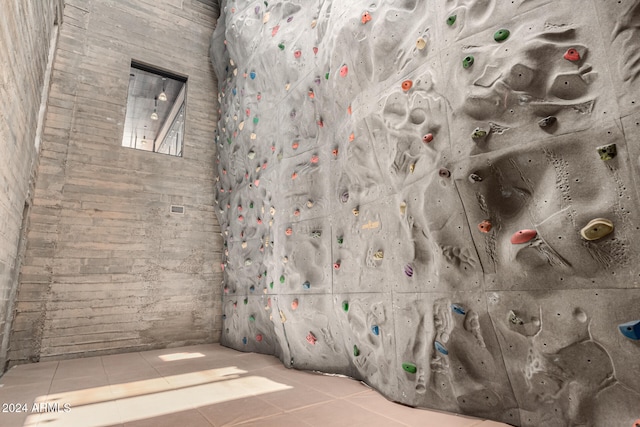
175	209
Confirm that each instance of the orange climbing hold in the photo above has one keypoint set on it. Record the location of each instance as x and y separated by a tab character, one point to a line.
485	226
294	175
349	109
315	159
311	94
366	17
523	236
352	137
335	152
295	145
294	304
406	85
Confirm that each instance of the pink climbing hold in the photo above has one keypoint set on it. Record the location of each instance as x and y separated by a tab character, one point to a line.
248	111
523	236
366	17
311	339
314	159
294	304
572	55
336	266
344	70
256	182
295	145
259	96
427	138
288	231
274	30
259	221
315	50
296	212
259	337
297	54
240	218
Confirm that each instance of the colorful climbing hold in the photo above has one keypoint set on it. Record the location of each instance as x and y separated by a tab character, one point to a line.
311	94
271	285
306	285
467	61
297	54
311	339
355	211
458	309
352	137
295	145
294	304
410	368
478	134
444	173
378	255
349	110
326	76
314	159
406	85
356	351
427	138
421	43
336	265
597	229
259	337
344	70
451	20
244	340
631	330
572	55
340	240
294	175
607	152
282	279
281	46
345	305
288	231
523	236
334	152
252	75
408	270
246	301
485	226
375	330
274	30
296	212
501	35
547	122
366	17
315	50
440	348
252	318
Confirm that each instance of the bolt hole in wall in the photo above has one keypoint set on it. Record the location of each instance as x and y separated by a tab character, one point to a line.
155	110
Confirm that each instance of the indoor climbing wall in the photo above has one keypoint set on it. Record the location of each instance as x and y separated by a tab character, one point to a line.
439	198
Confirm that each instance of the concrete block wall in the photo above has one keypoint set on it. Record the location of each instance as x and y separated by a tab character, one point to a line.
108	268
26	32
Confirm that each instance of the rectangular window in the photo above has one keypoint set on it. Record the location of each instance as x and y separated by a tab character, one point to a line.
155	111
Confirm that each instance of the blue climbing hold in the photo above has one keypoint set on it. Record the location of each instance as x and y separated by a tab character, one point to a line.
441	348
631	330
252	75
252	288
457	309
375	329
234	91
244	340
306	285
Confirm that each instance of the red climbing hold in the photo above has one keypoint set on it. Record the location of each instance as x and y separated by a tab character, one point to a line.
297	53
311	339
294	304
523	236
295	145
406	85
572	55
274	30
335	152
427	138
240	218
314	159
294	175
344	70
366	17
315	50
259	337
485	226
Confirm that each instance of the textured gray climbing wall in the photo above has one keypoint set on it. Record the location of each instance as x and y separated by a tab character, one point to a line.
438	198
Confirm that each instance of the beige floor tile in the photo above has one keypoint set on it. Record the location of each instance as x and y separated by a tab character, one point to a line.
30	374
87	367
333	386
238	411
342	413
191	418
297	397
283	420
61	384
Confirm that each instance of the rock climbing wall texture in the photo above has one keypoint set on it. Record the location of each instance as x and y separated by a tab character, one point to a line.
439	198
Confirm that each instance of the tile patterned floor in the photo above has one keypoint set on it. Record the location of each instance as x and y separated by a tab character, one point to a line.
197	386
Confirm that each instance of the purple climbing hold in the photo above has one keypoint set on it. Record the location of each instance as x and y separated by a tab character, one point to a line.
408	270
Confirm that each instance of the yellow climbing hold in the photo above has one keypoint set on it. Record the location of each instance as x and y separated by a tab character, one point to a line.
597	229
421	43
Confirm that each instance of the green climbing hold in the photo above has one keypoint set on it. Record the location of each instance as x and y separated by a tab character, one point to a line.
281	46
246	301
271	285
345	305
255	120
501	35
607	152
479	134
467	61
356	351
252	318
410	367
282	279
251	205
326	76
266	4
451	20
229	141
340	240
